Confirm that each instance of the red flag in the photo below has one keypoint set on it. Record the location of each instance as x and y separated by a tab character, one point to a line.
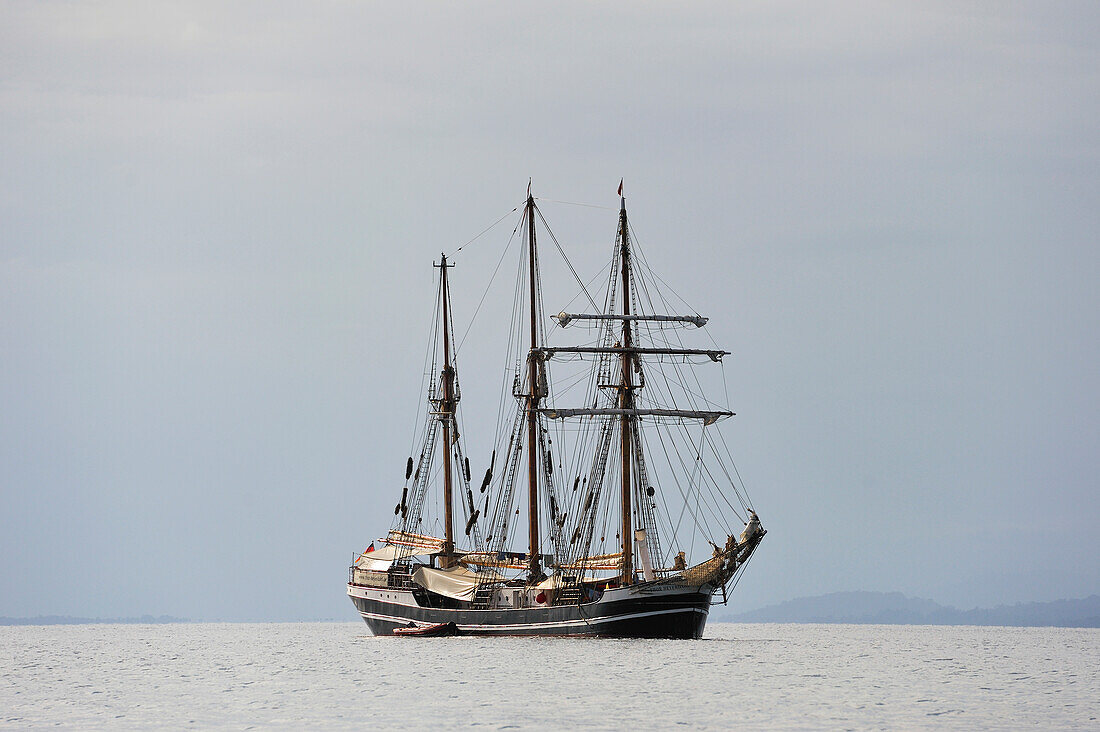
620	186
370	548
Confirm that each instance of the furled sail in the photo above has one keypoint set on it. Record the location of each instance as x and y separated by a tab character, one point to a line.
565	319
708	417
379	560
457	582
550	352
429	544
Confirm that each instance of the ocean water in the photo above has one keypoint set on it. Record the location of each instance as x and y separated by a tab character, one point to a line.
336	675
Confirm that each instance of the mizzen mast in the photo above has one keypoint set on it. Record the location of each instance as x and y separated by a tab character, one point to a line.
446	417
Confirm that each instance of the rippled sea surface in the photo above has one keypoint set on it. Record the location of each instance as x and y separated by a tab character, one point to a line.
333	675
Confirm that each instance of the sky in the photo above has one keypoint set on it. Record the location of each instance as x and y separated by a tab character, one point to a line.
217	225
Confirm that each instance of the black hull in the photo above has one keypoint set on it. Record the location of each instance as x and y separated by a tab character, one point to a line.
676	614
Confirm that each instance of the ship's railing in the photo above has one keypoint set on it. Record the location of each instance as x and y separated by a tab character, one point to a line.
397	577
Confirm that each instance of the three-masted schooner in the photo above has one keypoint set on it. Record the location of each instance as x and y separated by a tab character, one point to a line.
605	554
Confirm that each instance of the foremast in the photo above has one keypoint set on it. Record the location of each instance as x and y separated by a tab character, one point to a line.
637	529
626	403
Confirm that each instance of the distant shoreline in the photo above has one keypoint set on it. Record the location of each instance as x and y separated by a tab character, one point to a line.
74	620
894	608
151	620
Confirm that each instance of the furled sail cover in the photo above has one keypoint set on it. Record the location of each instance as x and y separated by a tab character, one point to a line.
457	582
380	560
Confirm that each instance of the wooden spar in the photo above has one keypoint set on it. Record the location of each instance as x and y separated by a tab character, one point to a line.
565	319
708	416
626	401
533	363
712	354
447	410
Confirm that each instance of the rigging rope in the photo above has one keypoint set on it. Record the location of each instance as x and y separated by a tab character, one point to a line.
485	231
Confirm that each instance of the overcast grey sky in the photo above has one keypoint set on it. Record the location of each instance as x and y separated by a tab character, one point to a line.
217	224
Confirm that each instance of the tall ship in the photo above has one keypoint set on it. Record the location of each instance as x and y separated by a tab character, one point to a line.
609	505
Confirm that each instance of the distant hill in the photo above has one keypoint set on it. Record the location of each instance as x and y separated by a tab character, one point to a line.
70	620
894	608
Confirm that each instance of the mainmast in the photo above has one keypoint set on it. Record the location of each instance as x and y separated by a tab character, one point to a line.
446	417
533	396
626	402
623	412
